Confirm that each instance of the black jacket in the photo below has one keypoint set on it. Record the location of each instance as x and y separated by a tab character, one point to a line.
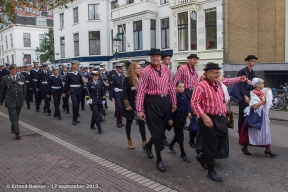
129	95
95	92
241	86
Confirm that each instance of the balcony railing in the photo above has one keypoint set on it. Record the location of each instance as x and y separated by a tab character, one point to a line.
180	2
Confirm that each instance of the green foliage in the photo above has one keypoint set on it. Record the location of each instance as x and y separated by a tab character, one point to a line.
47	47
9	7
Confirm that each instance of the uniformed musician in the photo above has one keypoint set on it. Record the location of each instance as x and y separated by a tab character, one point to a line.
74	85
35	90
65	99
43	76
26	74
56	90
116	88
95	92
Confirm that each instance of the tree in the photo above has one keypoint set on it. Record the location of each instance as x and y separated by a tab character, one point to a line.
47	47
9	8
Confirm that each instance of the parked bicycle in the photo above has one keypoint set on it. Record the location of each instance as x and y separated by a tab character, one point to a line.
279	100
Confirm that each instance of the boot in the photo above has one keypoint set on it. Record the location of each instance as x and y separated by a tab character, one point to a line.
130	144
143	145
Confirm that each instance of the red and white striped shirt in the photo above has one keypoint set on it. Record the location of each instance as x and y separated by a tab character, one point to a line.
189	77
206	100
150	83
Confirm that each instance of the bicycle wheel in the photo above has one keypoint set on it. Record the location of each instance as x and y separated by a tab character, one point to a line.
278	102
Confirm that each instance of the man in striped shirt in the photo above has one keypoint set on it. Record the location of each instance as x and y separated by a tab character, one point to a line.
208	103
155	86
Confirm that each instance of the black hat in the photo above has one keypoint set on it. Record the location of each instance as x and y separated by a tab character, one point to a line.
211	65
250	57
154	52
193	56
165	54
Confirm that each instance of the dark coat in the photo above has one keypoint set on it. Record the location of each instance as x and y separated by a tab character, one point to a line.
116	82
95	92
241	86
28	79
13	92
55	85
72	79
129	95
43	82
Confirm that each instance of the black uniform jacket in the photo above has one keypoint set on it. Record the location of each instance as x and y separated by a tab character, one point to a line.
74	83
129	97
55	85
27	79
116	86
95	91
241	86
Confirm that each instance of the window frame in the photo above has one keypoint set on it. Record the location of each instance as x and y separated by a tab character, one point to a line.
28	58
139	33
153	30
25	42
75	15
61	17
6	40
122	37
62	47
193	25
162	2
211	23
41	39
165	29
93	39
11	39
180	27
76	42
94	19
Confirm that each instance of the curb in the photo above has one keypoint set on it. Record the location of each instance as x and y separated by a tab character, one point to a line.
271	118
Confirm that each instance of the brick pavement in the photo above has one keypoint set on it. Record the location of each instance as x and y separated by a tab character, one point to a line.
43	160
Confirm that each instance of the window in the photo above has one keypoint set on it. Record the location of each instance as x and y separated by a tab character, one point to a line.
26	39
129	1
7	59
41	21
114	4
211	28
112	41
61	20
2	49
75	15
183	31
28	58
165	33
121	34
164	1
11	39
94	43
6	42
137	35
153	33
12	59
41	39
62	47
76	44
193	31
93	12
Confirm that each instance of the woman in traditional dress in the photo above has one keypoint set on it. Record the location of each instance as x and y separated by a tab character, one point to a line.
256	129
130	84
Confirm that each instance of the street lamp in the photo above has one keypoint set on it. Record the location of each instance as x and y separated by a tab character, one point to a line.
37	51
116	42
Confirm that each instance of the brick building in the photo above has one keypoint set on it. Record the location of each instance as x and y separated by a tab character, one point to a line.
256	27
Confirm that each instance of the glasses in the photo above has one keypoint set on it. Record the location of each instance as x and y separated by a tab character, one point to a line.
216	73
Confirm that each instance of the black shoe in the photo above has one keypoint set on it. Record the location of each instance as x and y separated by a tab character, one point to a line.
122	124
92	127
192	145
100	131
74	123
64	109
83	109
148	152
165	142
17	136
119	125
31	101
214	176
79	115
68	112
28	108
171	150
49	114
161	167
44	111
201	161
185	158
271	154
246	152
60	118
78	121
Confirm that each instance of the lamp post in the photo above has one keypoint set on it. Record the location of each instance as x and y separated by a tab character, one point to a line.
37	51
116	42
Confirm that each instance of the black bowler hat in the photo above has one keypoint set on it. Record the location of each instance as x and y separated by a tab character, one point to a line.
155	52
211	65
193	56
165	54
250	57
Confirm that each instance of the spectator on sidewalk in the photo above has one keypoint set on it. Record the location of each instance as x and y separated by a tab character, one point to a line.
13	91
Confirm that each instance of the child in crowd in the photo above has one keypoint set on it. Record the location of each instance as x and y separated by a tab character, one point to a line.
177	120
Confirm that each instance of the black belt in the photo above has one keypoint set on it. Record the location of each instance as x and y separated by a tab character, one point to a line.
161	95
189	89
216	115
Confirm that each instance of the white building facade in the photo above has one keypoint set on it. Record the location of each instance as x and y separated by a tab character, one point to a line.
18	43
86	30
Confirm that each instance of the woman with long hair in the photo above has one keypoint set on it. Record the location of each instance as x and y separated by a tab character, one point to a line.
130	85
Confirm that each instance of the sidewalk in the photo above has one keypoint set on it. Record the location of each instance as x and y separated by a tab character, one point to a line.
274	115
43	162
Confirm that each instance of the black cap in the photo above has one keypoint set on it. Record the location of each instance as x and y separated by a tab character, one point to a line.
211	65
250	57
193	56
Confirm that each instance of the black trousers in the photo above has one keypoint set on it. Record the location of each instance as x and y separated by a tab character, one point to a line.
82	101
75	103
96	108
178	124
28	97
156	110
14	119
46	101
141	128
37	98
56	100
118	104
214	138
66	102
242	106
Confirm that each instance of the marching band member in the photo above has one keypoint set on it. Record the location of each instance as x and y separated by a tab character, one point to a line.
43	88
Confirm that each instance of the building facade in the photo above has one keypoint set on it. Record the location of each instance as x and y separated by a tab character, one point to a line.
19	41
